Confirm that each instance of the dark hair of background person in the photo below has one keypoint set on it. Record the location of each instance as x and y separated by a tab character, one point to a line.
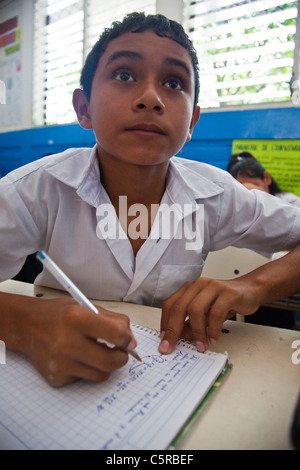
245	164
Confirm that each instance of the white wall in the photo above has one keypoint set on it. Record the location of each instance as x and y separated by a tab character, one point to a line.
16	69
170	8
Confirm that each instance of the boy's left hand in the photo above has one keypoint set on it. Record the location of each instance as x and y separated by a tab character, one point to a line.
199	308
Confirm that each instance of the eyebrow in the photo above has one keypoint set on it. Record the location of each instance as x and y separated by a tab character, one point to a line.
126	54
137	56
178	63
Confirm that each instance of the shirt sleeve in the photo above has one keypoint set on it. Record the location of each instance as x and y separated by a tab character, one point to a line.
289	198
19	234
255	220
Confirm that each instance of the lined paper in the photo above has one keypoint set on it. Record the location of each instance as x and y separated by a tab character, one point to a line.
141	406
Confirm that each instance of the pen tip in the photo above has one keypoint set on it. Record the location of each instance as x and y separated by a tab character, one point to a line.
136	356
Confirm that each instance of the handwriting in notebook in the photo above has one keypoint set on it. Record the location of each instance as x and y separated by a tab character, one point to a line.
178	363
141	406
136	404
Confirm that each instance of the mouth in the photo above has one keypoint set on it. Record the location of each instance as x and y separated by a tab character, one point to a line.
146	129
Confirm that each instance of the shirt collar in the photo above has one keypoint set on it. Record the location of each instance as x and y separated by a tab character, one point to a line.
80	170
187	177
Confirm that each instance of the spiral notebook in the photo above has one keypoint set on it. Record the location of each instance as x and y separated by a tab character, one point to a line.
141	406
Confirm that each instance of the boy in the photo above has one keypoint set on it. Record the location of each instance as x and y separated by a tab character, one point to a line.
139	94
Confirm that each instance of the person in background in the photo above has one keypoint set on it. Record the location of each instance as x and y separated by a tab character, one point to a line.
250	172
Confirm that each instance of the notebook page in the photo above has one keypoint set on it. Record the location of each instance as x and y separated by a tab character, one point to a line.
141	406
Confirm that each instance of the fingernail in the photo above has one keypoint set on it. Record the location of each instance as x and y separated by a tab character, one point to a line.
164	346
212	341
200	346
162	334
131	345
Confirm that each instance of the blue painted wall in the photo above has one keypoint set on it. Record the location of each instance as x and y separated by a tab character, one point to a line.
211	141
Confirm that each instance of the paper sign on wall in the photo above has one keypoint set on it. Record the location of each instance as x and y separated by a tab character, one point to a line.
11	72
281	158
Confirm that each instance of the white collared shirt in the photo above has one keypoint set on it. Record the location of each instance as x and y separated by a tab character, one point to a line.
289	198
54	204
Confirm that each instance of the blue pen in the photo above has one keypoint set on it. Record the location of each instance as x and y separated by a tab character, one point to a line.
70	287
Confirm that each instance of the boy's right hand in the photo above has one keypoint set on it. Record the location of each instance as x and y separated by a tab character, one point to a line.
61	341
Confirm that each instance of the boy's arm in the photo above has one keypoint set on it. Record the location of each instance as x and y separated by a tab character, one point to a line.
208	303
60	337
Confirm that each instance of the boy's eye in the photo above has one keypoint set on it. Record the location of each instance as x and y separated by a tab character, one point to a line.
123	76
174	84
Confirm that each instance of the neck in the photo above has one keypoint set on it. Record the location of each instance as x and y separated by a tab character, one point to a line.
143	185
140	184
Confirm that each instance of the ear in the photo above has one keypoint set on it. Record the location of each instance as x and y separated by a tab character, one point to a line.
81	106
195	119
267	178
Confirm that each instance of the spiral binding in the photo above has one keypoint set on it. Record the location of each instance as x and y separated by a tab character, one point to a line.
187	344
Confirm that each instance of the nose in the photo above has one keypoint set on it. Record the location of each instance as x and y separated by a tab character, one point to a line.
149	99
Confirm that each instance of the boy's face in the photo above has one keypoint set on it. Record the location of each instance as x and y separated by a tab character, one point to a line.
141	104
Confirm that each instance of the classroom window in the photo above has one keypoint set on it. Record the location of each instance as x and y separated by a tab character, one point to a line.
64	33
100	14
248	50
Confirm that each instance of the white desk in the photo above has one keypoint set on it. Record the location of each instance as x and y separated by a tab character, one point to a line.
254	406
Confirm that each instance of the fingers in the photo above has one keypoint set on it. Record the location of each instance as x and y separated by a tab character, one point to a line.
111	327
177	308
187	333
172	319
72	351
206	303
206	319
97	363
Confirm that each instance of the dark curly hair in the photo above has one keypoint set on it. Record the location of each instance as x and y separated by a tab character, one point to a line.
245	164
137	23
